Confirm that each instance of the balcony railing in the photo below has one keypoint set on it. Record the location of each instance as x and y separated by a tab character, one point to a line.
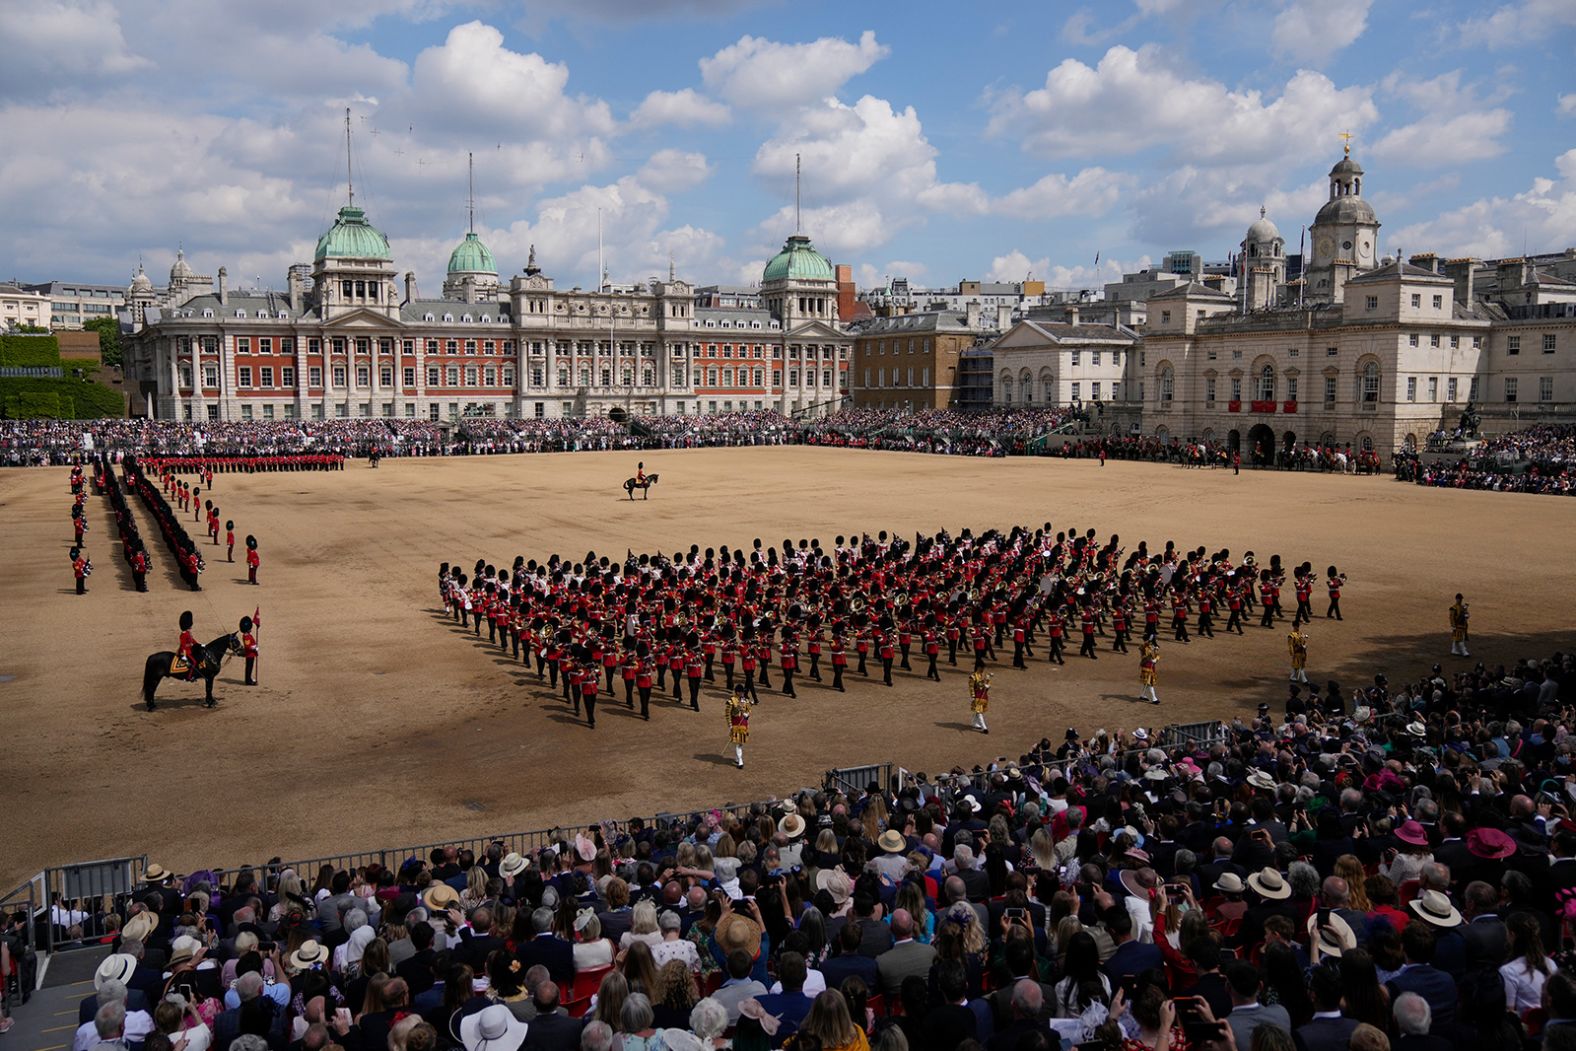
1234	406
1289	407
1262	406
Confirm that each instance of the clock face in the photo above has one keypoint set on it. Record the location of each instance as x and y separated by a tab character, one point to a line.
1324	247
1346	246
1364	250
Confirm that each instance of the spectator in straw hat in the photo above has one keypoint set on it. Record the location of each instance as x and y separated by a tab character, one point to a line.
892	863
1434	909
493	1028
118	968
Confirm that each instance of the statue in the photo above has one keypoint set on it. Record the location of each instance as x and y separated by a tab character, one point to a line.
1471	419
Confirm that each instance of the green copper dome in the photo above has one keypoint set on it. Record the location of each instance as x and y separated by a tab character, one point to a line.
471	256
352	237
798	261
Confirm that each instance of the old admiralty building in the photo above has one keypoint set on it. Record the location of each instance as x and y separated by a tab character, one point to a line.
349	338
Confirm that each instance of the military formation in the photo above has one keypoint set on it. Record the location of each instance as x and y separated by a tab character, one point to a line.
864	606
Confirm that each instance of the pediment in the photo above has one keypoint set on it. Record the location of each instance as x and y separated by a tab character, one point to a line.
362	319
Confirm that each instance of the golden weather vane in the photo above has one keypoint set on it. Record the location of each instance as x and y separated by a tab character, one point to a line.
1346	141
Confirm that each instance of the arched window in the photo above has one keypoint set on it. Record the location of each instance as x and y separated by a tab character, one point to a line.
1370	381
1267	383
1167	384
1026	385
1047	387
1006	388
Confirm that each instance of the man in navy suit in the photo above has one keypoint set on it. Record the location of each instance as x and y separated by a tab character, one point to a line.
791	1005
547	949
1131	957
551	1029
1329	1030
1420	976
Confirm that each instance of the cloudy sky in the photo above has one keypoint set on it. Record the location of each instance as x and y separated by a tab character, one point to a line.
939	141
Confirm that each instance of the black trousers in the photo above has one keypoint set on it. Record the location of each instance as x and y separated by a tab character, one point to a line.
694	685
837	677
1087	649
591	711
645	702
1119	641
815	666
82	585
788	683
251	665
931	672
1056	653
141	581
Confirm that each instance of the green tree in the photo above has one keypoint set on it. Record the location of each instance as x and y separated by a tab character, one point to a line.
108	330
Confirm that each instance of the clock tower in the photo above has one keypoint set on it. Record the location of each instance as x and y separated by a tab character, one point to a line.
1345	235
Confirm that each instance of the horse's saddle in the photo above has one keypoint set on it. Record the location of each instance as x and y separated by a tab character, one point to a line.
179	666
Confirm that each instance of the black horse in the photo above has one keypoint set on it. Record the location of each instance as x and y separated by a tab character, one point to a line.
630	485
209	660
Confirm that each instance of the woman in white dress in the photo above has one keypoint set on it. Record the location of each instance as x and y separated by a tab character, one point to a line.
1528	968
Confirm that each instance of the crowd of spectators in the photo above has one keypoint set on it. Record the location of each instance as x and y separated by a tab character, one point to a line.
997	432
1392	868
993	432
1540	459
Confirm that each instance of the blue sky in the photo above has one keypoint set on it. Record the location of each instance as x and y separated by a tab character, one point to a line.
940	141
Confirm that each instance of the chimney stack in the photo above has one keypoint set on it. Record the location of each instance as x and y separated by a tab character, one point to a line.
410	286
1072	313
1425	261
293	284
1463	272
1003	317
971	315
224	287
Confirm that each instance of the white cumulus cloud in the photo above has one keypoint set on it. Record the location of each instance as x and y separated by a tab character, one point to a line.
1313	31
685	108
1520	24
1131	102
760	73
473	81
673	171
1541	217
57	45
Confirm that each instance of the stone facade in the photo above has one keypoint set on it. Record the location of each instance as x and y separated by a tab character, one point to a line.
343	342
